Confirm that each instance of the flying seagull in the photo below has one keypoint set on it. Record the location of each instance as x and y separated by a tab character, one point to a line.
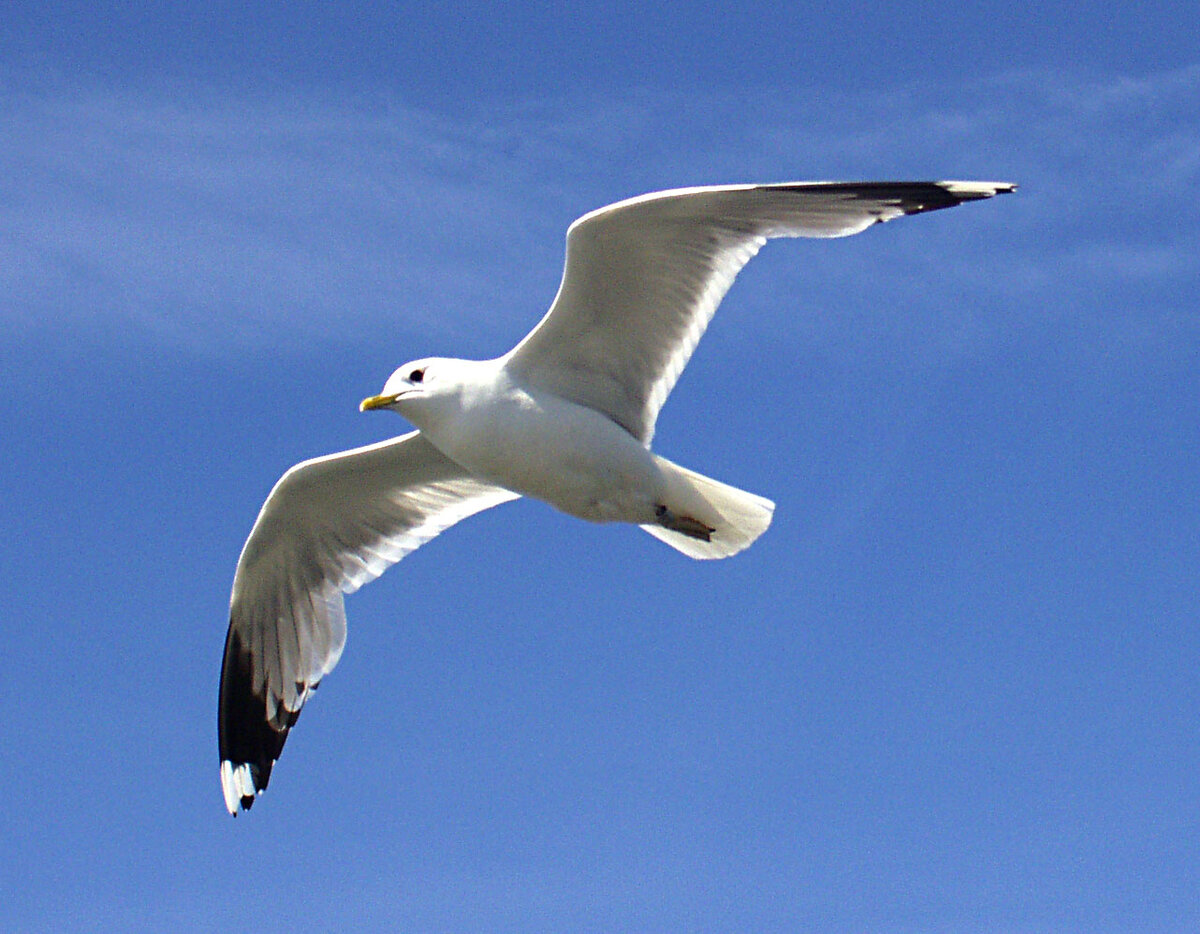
566	416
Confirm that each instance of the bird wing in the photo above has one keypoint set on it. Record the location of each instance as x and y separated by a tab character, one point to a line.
643	278
329	526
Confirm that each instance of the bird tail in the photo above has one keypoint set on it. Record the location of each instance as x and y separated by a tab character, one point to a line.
723	519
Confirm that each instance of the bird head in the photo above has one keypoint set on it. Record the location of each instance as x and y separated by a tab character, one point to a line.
418	390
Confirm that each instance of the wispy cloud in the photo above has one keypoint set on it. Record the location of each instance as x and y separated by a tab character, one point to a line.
257	221
234	219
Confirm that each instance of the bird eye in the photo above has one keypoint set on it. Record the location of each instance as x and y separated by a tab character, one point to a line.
416	376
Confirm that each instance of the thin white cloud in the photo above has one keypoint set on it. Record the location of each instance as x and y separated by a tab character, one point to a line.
229	221
252	222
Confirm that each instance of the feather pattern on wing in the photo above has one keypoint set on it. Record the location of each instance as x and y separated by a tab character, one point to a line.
329	526
643	278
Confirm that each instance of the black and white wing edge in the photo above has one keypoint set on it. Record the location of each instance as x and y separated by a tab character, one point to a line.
329	526
644	276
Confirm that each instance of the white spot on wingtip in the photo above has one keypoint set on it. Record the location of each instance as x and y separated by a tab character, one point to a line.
227	788
981	189
237	782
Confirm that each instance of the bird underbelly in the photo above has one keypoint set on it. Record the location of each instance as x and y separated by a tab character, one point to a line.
571	457
596	491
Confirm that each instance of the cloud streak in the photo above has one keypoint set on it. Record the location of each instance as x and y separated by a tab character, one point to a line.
229	220
262	221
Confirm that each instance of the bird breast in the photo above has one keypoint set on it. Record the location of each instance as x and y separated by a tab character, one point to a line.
568	455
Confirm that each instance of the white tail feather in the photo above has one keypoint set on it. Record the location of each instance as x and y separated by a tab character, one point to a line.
736	517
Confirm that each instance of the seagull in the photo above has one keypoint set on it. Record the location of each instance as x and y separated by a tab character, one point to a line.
566	416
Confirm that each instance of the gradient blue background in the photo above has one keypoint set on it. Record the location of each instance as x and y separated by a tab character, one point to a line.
953	689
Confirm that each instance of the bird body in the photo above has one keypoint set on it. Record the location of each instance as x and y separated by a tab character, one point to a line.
530	441
567	417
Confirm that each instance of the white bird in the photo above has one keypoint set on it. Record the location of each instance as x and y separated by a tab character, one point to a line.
566	416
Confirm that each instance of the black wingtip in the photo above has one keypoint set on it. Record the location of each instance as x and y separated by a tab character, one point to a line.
914	197
249	743
920	197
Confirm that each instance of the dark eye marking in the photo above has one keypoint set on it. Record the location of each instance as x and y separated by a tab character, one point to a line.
416	376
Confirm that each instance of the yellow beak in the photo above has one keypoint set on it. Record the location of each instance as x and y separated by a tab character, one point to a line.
376	402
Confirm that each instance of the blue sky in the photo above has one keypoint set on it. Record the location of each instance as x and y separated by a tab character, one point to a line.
952	689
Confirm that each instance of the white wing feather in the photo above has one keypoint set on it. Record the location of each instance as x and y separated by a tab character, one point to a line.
643	278
329	526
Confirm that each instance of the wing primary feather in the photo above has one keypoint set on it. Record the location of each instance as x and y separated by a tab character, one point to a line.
328	526
644	276
249	742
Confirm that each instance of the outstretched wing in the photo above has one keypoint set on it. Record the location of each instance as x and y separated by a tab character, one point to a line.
643	278
329	526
